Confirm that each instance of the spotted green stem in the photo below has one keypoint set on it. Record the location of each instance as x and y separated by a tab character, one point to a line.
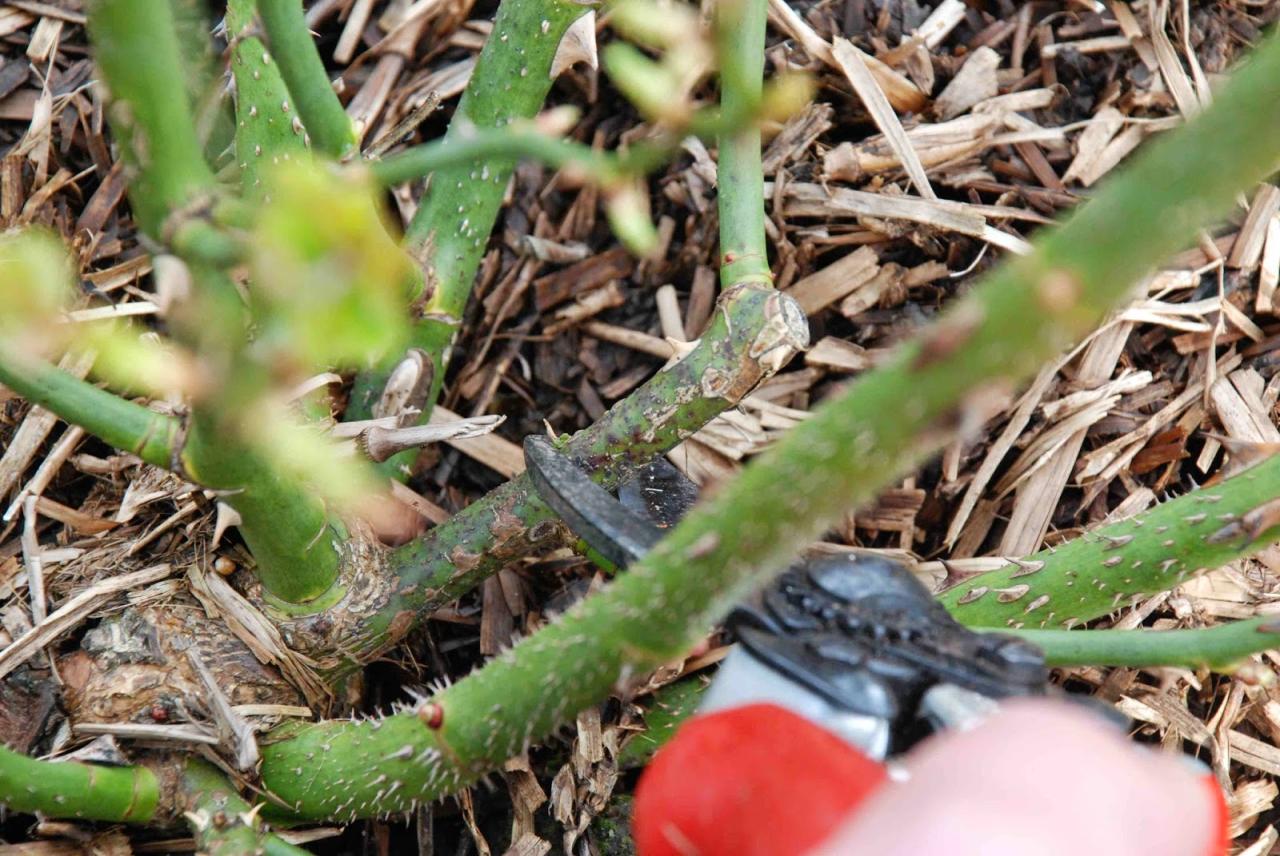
73	789
295	52
450	230
268	129
744	255
221	821
1119	564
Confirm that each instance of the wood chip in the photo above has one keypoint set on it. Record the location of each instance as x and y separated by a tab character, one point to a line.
1167	58
575	280
975	82
835	281
834	353
812	200
1102	162
945	17
1254	753
1037	498
904	95
853	63
1240	409
35	428
1269	275
1247	250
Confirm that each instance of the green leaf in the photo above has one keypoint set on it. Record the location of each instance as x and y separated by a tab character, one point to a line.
35	280
130	357
656	89
329	285
656	23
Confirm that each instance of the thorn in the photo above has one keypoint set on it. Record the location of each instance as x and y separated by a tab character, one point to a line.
1114	542
1025	568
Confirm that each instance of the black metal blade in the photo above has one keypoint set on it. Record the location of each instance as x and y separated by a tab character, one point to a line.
590	511
660	493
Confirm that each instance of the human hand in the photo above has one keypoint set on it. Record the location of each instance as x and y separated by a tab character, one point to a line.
1039	778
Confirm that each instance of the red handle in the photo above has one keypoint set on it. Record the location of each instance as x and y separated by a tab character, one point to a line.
756	780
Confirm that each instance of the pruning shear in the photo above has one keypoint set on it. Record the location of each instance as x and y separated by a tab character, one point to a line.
842	664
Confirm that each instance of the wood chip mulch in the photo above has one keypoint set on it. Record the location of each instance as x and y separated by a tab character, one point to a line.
1000	116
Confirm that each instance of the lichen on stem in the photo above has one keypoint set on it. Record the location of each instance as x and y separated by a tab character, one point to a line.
754	331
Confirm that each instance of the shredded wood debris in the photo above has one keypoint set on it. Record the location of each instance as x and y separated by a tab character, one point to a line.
943	135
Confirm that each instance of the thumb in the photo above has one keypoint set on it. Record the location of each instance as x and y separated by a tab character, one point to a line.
1039	778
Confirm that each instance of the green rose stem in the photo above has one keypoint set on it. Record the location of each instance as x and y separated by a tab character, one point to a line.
450	230
284	523
221	821
150	113
280	522
740	182
883	424
266	132
513	141
129	427
1220	647
303	71
753	333
1116	565
76	790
